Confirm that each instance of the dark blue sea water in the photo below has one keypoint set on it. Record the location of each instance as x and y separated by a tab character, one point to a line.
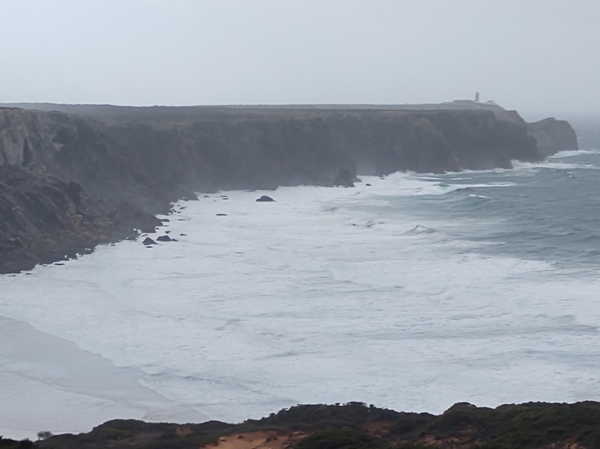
548	211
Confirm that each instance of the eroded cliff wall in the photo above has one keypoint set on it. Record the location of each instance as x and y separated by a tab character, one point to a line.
254	149
553	136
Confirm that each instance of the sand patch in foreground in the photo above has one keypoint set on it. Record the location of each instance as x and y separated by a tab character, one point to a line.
267	439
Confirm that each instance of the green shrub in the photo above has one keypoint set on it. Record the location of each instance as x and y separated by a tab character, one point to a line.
340	439
112	434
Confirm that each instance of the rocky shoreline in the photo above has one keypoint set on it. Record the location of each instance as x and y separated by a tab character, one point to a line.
73	177
356	426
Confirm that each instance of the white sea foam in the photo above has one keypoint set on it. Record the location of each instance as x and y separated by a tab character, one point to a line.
552	164
322	296
564	154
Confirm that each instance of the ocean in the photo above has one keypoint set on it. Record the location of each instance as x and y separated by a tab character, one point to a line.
413	293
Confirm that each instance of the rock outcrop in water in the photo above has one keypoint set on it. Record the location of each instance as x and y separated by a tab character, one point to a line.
553	136
72	180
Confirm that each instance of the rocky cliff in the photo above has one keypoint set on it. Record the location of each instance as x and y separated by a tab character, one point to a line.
44	219
92	174
553	136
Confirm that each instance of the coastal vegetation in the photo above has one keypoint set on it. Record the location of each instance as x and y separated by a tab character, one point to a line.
358	426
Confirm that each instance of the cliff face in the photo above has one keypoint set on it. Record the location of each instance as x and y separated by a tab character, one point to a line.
46	213
553	136
255	148
78	171
44	219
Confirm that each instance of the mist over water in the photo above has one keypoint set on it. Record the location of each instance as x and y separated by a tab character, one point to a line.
413	293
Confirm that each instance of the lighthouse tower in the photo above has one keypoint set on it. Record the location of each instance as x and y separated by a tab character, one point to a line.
476	97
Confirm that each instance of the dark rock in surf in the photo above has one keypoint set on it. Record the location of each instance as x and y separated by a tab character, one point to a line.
164	238
265	199
148	241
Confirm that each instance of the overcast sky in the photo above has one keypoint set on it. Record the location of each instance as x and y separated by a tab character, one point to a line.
530	55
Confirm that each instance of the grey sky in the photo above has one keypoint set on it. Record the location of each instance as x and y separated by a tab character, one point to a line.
530	55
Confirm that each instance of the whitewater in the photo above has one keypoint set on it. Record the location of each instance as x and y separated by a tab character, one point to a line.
413	293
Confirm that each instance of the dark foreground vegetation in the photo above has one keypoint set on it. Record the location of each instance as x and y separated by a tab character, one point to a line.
358	426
